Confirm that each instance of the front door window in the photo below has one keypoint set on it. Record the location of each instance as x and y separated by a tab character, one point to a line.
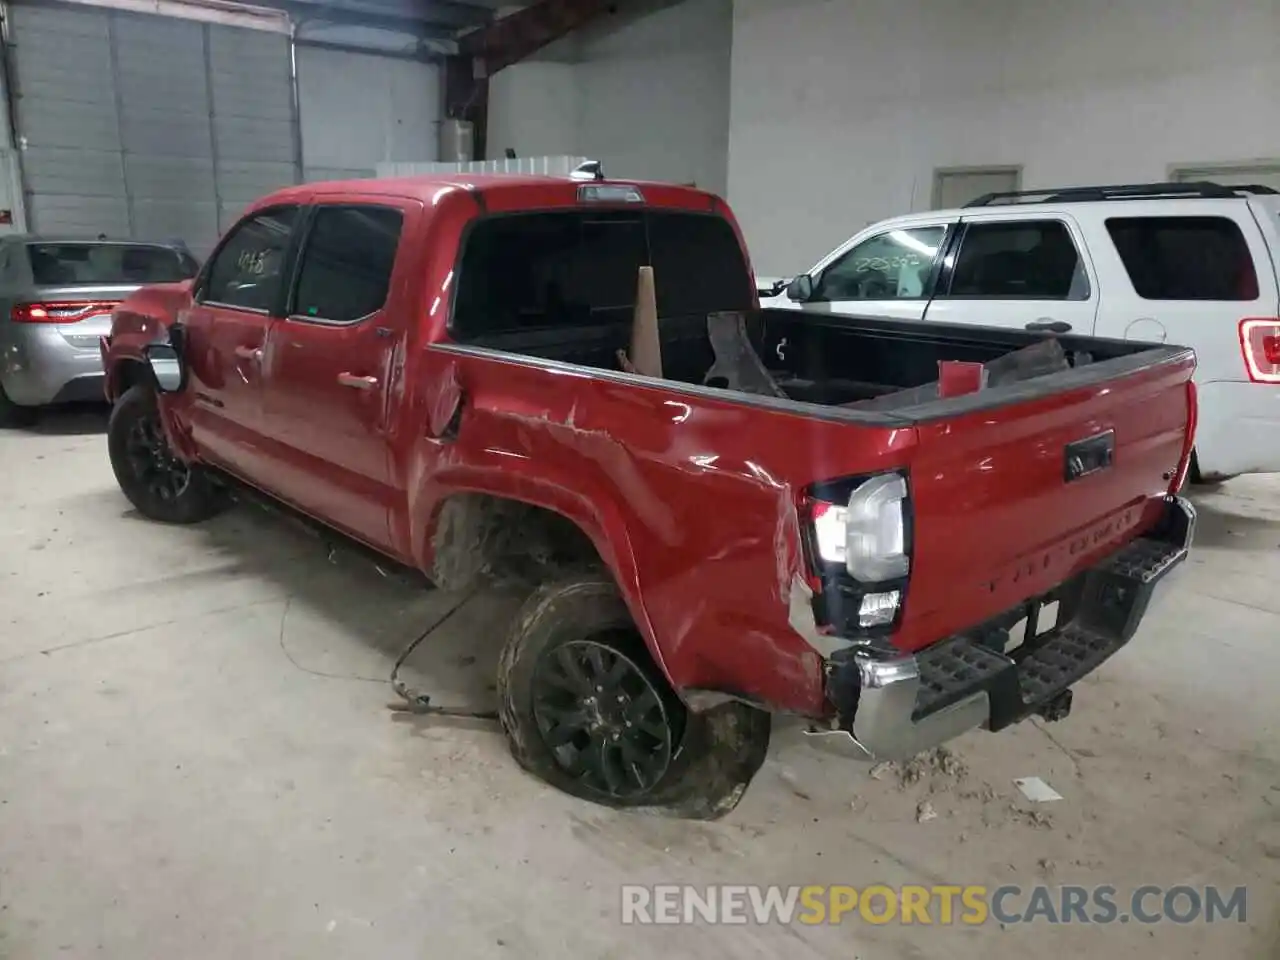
894	265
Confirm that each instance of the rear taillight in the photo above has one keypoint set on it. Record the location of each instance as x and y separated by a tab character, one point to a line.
859	541
1260	344
59	311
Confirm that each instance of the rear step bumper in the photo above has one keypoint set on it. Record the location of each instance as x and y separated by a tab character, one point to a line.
895	707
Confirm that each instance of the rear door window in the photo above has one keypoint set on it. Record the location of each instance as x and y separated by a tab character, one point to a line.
1018	260
105	264
1185	258
347	262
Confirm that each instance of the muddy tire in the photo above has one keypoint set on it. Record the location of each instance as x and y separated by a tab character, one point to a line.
156	482
15	415
586	710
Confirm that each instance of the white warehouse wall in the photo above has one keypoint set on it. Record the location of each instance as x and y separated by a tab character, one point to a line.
648	96
358	109
533	108
842	111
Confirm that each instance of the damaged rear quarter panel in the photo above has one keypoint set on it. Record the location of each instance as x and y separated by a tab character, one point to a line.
690	501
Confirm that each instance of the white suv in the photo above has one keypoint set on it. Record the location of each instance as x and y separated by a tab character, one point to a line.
1195	264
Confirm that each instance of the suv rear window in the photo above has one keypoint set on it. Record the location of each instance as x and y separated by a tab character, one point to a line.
92	264
578	268
1185	258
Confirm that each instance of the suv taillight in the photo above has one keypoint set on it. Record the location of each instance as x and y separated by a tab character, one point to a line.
1260	344
859	540
59	311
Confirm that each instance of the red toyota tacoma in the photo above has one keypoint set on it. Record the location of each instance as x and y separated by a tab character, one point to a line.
726	512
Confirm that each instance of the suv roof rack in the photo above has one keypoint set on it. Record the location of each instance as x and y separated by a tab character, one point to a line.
1124	191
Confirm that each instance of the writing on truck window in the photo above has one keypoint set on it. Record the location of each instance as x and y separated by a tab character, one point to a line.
248	270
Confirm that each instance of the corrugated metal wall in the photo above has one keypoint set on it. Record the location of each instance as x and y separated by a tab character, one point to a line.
148	126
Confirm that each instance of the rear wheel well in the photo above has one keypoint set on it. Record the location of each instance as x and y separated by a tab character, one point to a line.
478	535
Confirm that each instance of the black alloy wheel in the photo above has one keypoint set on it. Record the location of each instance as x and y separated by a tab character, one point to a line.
156	480
159	472
603	719
586	709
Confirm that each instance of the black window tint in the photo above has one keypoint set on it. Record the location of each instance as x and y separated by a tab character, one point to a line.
90	264
579	268
698	266
247	270
891	266
1185	258
1025	259
347	261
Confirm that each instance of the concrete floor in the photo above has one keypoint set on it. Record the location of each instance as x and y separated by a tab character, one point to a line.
197	760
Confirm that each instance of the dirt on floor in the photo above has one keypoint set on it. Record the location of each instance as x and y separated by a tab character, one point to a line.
197	759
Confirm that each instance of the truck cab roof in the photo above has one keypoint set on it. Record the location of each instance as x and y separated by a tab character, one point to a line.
427	188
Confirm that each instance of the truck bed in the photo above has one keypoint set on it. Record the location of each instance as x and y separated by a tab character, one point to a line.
841	361
1004	512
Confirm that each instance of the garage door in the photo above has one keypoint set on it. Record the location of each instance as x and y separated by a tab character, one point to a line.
136	125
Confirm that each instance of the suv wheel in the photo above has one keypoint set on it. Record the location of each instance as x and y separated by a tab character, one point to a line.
161	486
585	709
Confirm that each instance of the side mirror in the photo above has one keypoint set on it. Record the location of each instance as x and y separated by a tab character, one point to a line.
166	367
800	288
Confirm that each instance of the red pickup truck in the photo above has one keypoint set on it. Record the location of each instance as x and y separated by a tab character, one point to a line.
791	517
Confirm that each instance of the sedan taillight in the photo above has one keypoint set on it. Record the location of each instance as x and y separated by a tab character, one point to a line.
69	311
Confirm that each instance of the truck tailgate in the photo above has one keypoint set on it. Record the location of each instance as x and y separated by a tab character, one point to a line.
1009	502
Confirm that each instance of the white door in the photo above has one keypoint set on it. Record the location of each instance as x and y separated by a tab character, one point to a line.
1025	271
885	275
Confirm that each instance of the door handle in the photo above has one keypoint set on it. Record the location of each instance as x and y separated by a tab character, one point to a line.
1048	324
249	353
359	383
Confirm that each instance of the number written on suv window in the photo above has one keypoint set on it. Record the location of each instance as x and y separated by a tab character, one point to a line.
890	266
347	263
1025	259
1185	258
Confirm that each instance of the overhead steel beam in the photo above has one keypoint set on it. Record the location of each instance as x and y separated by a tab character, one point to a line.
504	42
516	36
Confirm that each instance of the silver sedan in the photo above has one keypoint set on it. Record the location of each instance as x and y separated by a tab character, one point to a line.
56	297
